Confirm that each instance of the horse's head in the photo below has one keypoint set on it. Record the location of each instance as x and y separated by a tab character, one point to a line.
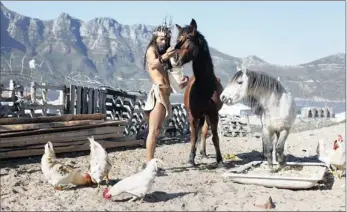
187	43
236	89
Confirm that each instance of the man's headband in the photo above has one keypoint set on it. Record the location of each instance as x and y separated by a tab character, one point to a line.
163	30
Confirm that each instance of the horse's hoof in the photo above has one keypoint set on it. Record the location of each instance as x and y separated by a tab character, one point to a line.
221	165
191	163
272	170
203	155
282	164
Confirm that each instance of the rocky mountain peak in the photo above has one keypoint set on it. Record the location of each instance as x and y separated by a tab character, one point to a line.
103	51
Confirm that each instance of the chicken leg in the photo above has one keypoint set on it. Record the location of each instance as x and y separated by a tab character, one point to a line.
59	188
133	199
107	180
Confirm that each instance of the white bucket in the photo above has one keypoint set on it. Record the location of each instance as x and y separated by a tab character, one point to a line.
175	76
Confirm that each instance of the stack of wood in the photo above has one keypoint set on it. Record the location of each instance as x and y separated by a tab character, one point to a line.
234	126
178	124
22	137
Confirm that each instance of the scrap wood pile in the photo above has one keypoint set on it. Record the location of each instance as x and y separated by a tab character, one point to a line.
22	137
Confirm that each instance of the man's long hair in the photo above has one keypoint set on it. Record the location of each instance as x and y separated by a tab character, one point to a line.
154	44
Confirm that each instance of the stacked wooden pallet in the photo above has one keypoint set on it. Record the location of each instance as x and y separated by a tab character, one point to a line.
234	126
178	125
22	137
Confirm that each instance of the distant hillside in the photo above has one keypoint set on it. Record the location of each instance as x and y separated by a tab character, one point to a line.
105	52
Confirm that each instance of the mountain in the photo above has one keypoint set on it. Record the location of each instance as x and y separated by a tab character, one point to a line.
104	52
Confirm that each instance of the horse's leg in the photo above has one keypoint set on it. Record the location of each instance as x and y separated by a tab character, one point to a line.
203	139
194	127
268	146
283	135
215	138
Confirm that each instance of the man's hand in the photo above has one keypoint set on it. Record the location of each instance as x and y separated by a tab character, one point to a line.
184	82
214	97
170	52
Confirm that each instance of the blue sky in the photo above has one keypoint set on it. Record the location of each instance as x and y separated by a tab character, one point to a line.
285	33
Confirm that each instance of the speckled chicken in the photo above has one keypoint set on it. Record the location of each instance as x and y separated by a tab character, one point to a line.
58	174
335	157
100	164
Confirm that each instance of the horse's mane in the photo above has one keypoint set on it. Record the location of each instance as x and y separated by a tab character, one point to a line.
204	61
202	67
261	82
253	103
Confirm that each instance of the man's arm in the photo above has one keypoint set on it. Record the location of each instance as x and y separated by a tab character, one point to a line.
153	61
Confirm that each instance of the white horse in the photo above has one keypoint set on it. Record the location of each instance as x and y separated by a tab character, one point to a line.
268	99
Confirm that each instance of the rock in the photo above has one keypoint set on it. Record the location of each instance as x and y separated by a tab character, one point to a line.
264	202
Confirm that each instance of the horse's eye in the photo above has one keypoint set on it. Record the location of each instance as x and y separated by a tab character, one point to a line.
239	82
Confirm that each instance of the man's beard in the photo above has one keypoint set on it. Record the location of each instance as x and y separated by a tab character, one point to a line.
162	49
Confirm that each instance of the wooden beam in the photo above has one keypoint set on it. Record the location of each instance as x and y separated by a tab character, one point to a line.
72	148
67	142
62	129
68	117
43	107
59	136
35	126
50	87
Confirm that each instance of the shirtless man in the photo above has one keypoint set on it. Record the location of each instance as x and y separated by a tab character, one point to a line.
158	106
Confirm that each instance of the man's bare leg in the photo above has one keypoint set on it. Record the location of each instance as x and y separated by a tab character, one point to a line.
156	118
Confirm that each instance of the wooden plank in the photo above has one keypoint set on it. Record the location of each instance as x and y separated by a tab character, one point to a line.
50	87
120	93
67	100
102	101
62	129
95	101
90	100
35	126
44	107
79	100
73	148
61	137
8	99
72	99
67	117
81	140
84	103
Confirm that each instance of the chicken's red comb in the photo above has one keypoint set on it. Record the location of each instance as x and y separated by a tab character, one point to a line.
339	137
104	194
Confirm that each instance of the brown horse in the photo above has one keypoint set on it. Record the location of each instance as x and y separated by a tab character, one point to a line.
201	97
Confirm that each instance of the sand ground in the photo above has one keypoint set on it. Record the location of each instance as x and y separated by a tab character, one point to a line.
182	189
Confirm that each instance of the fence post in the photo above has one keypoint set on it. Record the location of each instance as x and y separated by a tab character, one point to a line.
62	100
33	92
72	99
44	94
11	88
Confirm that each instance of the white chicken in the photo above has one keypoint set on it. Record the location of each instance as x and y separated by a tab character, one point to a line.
334	157
100	164
138	184
58	174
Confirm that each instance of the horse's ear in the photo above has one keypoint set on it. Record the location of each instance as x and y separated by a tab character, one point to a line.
178	27
193	24
244	70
